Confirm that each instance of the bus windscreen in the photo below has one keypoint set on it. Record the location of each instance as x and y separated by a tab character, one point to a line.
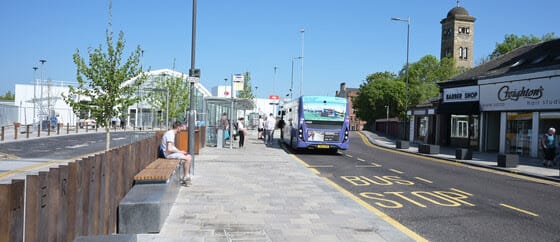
324	108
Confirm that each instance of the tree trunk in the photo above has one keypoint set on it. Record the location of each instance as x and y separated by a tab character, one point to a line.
107	137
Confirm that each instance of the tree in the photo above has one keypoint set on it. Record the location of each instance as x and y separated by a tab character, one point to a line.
9	96
247	91
178	96
379	90
424	76
512	41
102	79
385	88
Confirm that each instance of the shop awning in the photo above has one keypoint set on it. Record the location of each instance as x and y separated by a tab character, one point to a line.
459	108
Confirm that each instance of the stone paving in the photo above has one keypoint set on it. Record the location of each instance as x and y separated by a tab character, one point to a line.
261	193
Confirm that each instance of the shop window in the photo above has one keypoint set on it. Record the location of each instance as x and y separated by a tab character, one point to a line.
459	126
423	127
519	126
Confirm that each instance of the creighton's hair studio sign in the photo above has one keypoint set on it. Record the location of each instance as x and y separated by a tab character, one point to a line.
521	95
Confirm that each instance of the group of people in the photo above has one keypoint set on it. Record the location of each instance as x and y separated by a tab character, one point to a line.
239	127
266	128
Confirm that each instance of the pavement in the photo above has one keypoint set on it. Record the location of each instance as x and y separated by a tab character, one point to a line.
262	193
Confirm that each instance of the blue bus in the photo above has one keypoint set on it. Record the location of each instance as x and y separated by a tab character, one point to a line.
315	122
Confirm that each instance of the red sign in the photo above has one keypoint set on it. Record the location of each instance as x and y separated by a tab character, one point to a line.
274	97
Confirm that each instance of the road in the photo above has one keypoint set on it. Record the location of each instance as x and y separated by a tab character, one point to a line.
440	200
27	155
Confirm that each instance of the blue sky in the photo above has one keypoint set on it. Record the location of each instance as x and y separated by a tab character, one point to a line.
344	40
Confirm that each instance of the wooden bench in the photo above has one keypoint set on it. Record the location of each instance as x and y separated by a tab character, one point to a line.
159	171
154	191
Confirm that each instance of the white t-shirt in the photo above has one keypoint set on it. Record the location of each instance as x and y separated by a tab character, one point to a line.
270	123
168	139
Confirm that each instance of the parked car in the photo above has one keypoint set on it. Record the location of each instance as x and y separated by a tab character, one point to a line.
91	123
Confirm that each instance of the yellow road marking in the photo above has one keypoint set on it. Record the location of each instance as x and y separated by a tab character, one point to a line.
519	209
43	164
315	171
498	172
320	166
413	235
424	180
396	171
372	209
29	168
461	191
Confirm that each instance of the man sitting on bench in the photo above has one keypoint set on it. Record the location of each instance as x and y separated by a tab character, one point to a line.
172	152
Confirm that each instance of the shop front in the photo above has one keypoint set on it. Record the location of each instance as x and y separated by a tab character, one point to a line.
524	107
459	117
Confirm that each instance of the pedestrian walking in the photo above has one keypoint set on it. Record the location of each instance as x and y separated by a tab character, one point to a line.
269	126
260	127
549	143
242	131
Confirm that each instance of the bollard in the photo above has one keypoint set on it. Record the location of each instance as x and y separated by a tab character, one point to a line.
15	132
87	127
57	129
77	126
27	130
2	134
49	129
67	128
39	131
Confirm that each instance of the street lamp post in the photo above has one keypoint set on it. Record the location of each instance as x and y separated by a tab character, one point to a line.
407	20
292	78
302	31
387	121
41	105
34	94
193	72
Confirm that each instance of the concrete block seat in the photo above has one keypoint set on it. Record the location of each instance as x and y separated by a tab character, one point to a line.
146	206
508	160
402	144
428	149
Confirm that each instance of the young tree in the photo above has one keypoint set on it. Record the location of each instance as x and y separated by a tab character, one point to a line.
9	96
178	96
247	91
102	79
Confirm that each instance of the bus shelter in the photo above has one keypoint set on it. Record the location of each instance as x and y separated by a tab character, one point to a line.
216	107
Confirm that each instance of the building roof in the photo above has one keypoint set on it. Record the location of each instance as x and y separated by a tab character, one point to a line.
457	11
526	59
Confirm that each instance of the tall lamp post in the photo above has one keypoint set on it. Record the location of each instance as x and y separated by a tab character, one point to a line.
407	20
192	73
34	94
292	78
387	121
302	31
41	105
